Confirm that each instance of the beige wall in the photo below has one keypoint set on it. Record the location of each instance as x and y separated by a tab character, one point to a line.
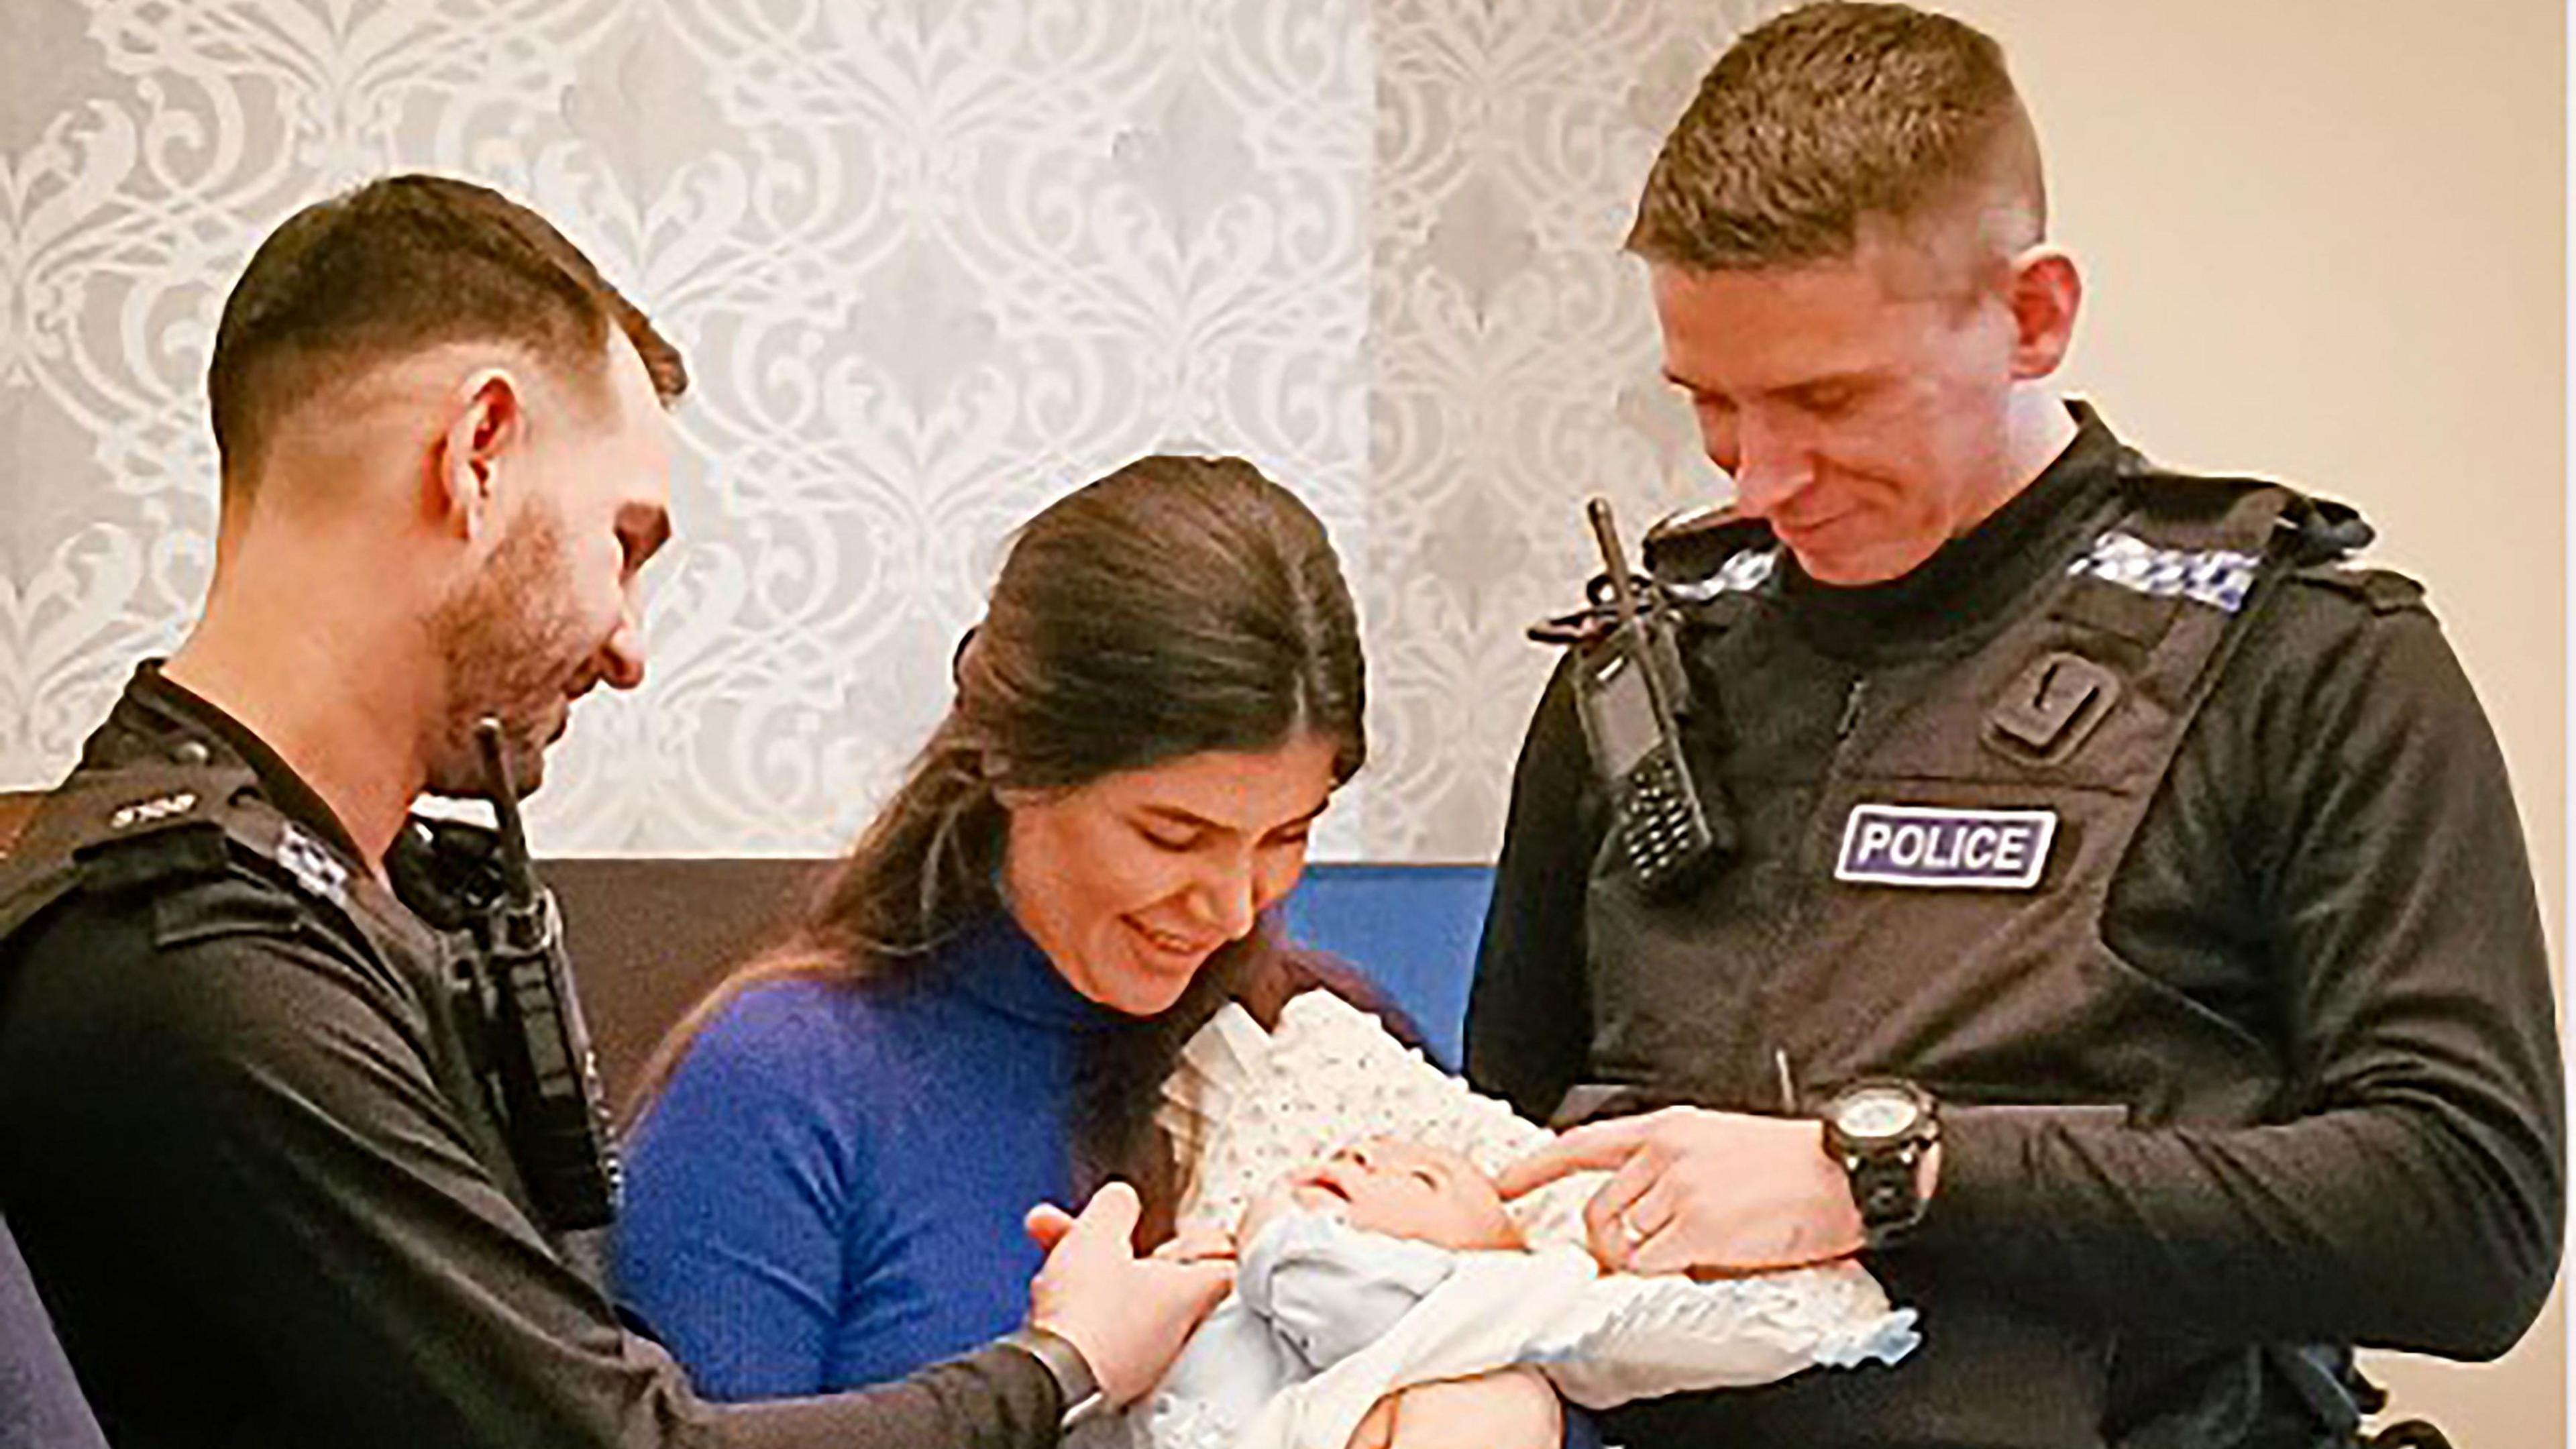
2326	241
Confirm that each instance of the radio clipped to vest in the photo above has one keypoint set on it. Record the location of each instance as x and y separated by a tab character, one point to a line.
516	989
1632	694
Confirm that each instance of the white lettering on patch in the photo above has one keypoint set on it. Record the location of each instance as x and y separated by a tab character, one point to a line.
1929	845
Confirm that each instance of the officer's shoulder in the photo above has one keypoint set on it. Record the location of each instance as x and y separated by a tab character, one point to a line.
2317	540
2355	586
2323	540
165	847
2330	620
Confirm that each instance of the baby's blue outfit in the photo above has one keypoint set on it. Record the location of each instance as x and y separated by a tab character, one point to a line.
1310	1292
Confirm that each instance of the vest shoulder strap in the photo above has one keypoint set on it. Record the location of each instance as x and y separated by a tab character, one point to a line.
118	828
2384	591
2197	509
161	824
2312	541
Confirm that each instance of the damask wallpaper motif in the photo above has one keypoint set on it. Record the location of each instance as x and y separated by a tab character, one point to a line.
1516	370
934	262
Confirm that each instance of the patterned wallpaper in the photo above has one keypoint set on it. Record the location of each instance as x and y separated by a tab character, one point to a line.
934	262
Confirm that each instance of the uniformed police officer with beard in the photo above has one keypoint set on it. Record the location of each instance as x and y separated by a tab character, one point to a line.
2125	935
245	1140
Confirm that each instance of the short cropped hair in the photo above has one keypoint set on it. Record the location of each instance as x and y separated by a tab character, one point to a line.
397	265
1823	117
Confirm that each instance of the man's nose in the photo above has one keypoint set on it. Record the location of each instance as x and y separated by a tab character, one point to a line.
621	655
1771	466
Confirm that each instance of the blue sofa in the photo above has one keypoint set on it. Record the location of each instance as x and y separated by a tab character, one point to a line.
1412	929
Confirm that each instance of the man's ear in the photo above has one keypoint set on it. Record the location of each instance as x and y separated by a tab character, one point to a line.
488	421
2046	292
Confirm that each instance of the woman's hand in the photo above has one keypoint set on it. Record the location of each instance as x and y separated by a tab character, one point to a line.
1128	1315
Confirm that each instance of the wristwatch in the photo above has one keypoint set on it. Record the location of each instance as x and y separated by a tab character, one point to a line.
1879	1131
1077	1387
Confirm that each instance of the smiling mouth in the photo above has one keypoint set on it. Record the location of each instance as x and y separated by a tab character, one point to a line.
1808	529
1168	943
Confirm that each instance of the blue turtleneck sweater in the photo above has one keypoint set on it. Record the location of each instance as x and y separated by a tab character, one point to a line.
829	1191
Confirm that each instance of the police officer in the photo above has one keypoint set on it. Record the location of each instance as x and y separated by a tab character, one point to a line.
2117	923
245	1140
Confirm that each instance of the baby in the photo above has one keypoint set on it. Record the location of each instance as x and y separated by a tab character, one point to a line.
1389	1283
1385	1294
1331	1257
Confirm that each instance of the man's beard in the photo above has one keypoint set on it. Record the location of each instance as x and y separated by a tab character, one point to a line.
512	648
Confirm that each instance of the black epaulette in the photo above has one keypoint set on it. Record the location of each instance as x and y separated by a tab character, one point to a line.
142	823
2309	529
2323	537
2314	539
111	831
2384	590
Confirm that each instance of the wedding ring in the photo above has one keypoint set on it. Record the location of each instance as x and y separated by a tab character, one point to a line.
1628	1229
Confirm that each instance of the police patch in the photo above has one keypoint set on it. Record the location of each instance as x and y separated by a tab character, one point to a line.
1918	845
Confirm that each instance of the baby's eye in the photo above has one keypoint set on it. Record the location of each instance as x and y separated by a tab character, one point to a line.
1424	1176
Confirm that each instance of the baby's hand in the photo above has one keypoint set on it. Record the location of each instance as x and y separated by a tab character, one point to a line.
1198	1244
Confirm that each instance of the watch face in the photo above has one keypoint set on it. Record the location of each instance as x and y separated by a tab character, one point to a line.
1876	1114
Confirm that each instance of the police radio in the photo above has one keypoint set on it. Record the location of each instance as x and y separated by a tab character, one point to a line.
537	1062
1632	693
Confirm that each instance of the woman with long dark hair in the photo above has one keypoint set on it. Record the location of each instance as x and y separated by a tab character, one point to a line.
828	1179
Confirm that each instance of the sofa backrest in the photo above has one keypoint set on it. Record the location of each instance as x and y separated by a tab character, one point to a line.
649	937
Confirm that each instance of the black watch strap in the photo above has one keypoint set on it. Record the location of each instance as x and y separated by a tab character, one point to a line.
1077	1387
1883	1187
1879	1130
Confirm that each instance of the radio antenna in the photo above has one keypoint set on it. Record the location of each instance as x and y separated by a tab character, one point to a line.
1622	593
518	874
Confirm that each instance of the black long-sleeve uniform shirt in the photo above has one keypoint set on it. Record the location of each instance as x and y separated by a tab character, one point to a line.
263	1218
2333	862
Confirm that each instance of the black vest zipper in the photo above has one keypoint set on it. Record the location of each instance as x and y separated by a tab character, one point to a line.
1806	897
1851	713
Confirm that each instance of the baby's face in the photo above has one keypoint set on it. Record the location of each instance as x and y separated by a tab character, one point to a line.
1402	1189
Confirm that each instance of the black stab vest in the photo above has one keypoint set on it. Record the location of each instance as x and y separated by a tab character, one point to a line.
2073	701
